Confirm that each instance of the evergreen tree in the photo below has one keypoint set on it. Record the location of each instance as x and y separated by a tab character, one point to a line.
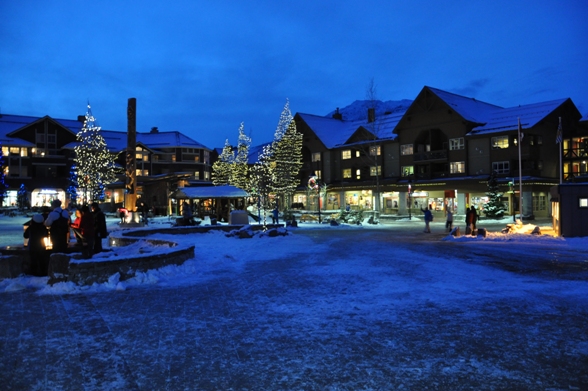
222	168
287	159
494	208
240	169
96	165
21	197
72	190
3	184
260	180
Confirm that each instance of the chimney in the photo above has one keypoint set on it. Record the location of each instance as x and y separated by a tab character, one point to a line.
81	118
337	114
154	130
371	115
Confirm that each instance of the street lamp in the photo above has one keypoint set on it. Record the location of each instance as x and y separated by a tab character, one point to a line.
409	199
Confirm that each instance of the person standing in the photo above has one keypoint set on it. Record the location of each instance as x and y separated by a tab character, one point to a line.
36	233
428	219
75	226
88	232
275	216
100	230
449	222
471	218
58	223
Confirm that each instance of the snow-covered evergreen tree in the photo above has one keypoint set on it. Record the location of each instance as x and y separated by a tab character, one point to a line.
240	169
96	165
223	167
494	208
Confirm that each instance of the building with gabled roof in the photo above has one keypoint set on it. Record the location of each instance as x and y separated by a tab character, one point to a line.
39	153
440	151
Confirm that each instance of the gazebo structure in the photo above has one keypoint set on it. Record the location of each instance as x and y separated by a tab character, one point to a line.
214	201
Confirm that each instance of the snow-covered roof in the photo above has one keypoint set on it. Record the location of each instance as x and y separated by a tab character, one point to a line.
470	109
331	131
507	119
203	192
168	140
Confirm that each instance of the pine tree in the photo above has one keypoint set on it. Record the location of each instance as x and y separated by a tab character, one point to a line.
260	180
494	208
21	197
222	168
96	165
72	190
240	169
287	159
3	184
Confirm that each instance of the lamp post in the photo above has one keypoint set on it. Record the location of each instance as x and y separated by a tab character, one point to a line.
409	199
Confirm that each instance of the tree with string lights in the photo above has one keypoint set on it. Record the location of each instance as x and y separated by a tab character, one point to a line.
72	189
222	168
3	184
240	169
95	164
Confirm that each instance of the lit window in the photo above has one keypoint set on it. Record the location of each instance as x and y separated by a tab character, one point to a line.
357	154
373	170
456	143
583	203
406	149
499	142
501	167
316	157
318	174
346	154
407	170
375	150
347	173
457	167
358	173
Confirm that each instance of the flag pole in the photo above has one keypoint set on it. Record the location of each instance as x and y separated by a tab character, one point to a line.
520	176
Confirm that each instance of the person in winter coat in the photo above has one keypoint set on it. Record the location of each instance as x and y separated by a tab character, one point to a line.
88	232
100	230
36	233
76	227
449	221
58	223
471	218
428	219
275	216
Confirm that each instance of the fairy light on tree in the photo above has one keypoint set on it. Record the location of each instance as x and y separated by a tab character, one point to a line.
240	169
222	168
95	164
3	184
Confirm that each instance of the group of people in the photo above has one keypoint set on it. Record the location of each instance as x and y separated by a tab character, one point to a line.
471	219
89	228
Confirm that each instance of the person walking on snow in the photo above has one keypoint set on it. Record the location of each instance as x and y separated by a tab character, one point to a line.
449	222
428	219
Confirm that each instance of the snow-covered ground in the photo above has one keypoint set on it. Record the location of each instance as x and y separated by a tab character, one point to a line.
325	308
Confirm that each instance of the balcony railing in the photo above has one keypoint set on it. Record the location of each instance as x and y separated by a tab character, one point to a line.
431	156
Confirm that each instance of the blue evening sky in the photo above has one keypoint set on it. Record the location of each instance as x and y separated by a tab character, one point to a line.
203	67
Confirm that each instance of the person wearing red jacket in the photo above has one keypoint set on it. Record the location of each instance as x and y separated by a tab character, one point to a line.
87	231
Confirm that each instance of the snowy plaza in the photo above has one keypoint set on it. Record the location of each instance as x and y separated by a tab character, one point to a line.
366	307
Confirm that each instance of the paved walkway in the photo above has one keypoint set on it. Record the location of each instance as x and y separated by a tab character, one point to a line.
308	323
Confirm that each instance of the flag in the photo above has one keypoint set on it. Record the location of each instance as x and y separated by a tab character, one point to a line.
559	137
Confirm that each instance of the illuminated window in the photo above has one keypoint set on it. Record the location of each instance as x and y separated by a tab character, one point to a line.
358	173
347	173
316	156
407	170
373	170
499	142
346	154
318	174
457	167
456	143
375	150
583	203
406	149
